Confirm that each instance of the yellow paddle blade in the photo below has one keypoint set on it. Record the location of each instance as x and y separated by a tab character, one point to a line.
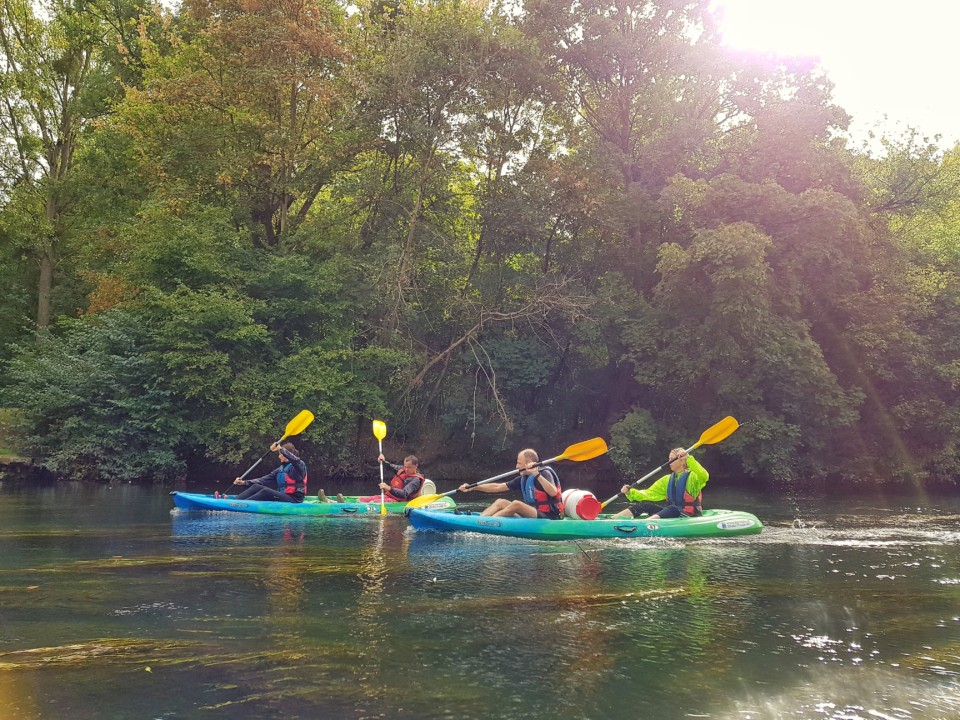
421	501
721	431
379	429
298	424
586	450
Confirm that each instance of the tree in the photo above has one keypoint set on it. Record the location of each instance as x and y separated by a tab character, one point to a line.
54	84
249	107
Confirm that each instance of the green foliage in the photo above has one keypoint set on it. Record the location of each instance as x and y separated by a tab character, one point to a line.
495	229
11	440
95	402
635	442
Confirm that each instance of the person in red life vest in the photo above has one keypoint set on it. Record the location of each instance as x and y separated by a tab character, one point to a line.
539	485
405	485
290	477
682	490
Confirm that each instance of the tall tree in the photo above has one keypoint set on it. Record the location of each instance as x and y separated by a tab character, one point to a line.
248	107
53	84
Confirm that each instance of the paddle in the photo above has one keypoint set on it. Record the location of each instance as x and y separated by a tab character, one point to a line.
294	427
721	431
585	450
380	432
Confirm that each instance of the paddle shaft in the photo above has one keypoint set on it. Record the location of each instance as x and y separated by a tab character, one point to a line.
243	477
294	427
383	508
713	434
585	450
501	477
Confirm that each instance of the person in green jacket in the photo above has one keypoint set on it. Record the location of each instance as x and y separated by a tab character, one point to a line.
681	491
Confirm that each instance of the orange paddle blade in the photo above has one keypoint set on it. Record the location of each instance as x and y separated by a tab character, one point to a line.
721	431
586	450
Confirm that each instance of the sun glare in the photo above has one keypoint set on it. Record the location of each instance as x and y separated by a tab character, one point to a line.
885	58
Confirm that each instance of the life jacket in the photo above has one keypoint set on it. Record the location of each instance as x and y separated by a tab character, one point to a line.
677	495
401	478
535	496
289	485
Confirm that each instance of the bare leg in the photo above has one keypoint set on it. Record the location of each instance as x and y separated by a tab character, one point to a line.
495	507
516	508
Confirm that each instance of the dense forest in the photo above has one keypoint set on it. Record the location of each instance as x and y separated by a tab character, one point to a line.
492	224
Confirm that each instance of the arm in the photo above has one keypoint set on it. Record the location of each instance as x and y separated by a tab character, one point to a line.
396	468
292	455
698	476
410	487
271	477
654	493
658	491
298	468
547	483
488	488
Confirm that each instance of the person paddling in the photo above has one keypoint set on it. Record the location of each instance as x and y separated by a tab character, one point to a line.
290	477
682	490
540	486
405	485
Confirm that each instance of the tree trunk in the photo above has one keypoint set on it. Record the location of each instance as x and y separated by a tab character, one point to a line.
46	285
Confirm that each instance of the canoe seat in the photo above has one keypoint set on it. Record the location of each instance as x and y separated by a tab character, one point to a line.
428	488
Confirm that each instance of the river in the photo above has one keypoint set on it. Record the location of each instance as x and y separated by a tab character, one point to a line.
115	605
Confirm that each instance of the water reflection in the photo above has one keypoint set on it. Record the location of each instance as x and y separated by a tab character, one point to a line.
371	624
116	607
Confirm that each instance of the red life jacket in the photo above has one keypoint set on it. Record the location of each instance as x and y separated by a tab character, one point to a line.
535	496
289	485
677	495
400	479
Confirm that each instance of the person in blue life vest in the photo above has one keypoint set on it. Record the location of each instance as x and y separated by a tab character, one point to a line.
290	478
679	494
540	487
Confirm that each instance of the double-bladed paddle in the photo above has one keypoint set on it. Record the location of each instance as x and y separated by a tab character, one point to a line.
714	434
294	427
585	450
380	432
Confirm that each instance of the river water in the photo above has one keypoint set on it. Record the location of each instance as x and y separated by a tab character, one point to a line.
115	605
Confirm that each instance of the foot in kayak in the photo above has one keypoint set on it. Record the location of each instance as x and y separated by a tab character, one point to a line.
322	496
340	498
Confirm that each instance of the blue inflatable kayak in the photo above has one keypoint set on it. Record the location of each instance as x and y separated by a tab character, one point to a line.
712	524
309	506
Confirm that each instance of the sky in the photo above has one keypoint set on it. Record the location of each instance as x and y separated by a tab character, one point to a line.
885	57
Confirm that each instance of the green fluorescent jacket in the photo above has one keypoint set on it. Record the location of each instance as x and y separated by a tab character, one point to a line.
658	491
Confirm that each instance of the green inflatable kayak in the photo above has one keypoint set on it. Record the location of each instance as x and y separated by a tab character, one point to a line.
309	506
712	524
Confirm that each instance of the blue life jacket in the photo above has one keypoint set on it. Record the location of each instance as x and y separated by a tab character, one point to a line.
677	495
289	485
534	495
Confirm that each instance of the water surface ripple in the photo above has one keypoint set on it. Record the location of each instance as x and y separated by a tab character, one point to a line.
114	606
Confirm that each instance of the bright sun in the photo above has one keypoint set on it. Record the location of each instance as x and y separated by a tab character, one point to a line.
885	58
